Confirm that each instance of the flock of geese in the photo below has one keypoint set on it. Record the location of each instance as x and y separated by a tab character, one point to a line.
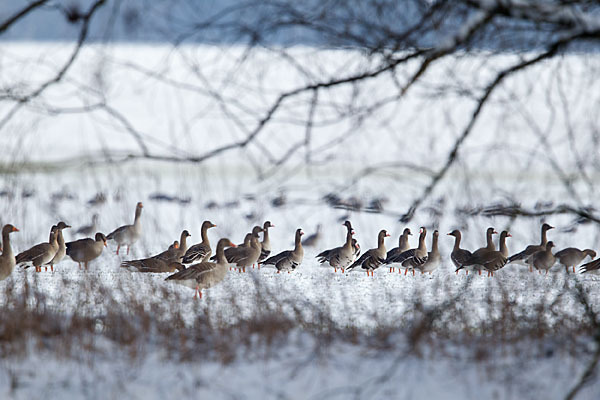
199	269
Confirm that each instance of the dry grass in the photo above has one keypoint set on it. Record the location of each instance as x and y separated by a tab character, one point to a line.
29	321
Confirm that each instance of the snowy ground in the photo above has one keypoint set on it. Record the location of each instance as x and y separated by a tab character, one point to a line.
33	201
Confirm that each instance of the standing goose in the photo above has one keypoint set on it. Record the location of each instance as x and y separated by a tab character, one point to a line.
128	234
89	230
200	252
571	257
460	257
413	258
86	250
372	259
205	274
483	254
7	259
40	254
341	257
524	256
544	260
291	259
403	245
246	256
503	246
313	240
62	248
265	246
182	246
434	257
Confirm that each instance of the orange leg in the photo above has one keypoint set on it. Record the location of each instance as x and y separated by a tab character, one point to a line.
456	272
530	268
277	271
86	265
79	265
127	249
118	247
343	270
479	272
573	269
46	269
244	269
413	272
406	271
334	269
52	267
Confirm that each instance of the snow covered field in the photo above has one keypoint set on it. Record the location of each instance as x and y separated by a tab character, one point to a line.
516	169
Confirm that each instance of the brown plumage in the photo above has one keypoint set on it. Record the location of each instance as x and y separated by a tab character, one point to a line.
524	256
403	245
373	258
341	257
265	245
571	257
200	252
40	254
86	250
412	258
205	274
460	257
291	259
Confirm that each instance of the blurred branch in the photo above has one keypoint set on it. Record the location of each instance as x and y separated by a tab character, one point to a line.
20	14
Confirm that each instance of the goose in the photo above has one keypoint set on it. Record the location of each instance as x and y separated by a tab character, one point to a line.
459	257
88	230
341	257
313	240
291	259
403	245
265	246
544	260
524	256
571	257
245	256
412	258
355	250
40	254
62	248
372	259
7	259
205	274
200	252
503	247
483	254
591	267
434	257
128	234
167	261
86	250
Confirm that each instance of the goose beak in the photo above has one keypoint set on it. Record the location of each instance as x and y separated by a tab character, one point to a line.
15	229
105	245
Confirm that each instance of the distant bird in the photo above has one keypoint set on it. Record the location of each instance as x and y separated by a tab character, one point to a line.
412	258
503	247
460	257
205	274
571	257
40	254
403	245
373	258
200	252
313	240
128	234
481	254
524	256
7	259
340	257
88	230
291	259
86	250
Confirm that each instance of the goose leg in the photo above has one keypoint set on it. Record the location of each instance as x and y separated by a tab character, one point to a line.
467	271
118	247
343	270
78	263
573	269
52	267
127	249
86	265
